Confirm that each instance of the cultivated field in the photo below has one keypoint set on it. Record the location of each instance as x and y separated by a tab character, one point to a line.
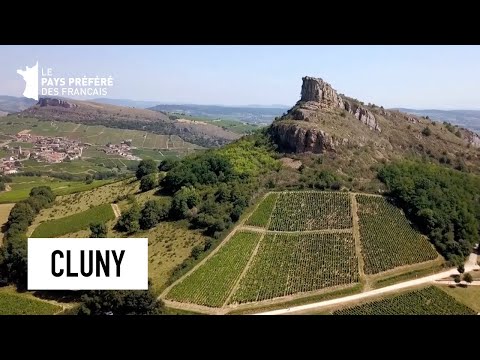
21	185
388	240
13	303
262	213
427	301
74	223
74	203
94	134
310	243
304	210
213	281
287	264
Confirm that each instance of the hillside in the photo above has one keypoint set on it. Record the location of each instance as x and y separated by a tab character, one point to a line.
12	104
353	138
466	118
91	113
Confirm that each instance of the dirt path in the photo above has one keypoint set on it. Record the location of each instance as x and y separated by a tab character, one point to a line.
265	231
372	293
116	211
358	245
76	128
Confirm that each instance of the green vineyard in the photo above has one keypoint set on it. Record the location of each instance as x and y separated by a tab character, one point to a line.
213	281
311	210
262	214
293	263
427	301
388	240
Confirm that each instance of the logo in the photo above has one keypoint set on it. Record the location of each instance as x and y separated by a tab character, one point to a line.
87	264
46	83
30	75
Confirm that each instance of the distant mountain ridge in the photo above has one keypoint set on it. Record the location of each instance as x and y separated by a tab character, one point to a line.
12	104
256	115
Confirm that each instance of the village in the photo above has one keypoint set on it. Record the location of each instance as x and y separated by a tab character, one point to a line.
124	149
52	150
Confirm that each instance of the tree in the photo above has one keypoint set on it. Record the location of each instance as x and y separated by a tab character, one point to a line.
146	167
183	200
13	267
167	164
98	230
461	268
152	213
21	213
468	278
123	302
426	131
44	191
148	182
129	220
458	134
457	279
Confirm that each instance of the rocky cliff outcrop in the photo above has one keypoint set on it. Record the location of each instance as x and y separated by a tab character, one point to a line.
472	138
55	102
319	95
298	139
300	130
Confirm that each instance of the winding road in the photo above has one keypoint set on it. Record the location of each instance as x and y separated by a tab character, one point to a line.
470	265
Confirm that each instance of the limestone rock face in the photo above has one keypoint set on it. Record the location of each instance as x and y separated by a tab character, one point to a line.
362	114
55	102
320	92
319	95
300	140
472	138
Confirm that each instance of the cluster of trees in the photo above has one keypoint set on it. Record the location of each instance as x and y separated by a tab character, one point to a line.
13	255
210	190
145	218
443	202
121	302
3	182
98	230
319	179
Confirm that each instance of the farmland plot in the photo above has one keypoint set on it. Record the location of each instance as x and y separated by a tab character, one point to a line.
213	281
75	222
427	301
262	213
293	263
311	210
388	240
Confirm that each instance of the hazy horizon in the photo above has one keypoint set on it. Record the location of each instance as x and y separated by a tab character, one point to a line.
413	77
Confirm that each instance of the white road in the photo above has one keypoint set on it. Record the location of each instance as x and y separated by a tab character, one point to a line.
470	265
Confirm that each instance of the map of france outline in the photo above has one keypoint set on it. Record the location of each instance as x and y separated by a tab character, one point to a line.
30	75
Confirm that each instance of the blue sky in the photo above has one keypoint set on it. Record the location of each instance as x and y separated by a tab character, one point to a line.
441	77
